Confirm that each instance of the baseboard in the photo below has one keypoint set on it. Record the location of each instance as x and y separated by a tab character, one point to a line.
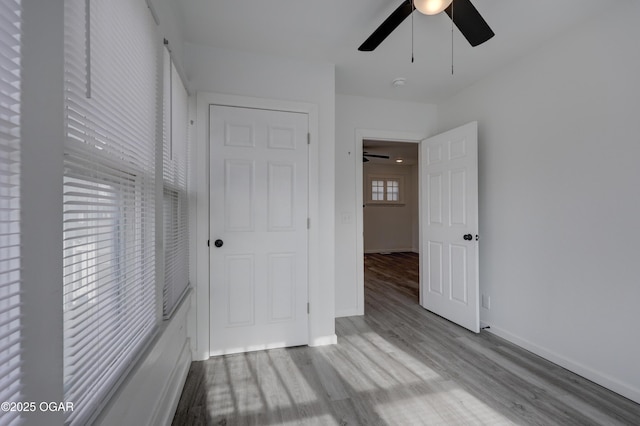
624	389
168	402
324	340
351	312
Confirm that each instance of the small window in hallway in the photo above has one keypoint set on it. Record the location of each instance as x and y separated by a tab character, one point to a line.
386	190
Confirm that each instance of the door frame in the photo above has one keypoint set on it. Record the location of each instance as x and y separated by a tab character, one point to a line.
382	135
200	160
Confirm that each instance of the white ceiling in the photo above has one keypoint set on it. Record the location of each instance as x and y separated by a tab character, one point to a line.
332	30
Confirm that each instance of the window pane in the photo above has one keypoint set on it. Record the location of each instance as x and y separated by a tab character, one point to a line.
377	190
175	161
393	190
109	196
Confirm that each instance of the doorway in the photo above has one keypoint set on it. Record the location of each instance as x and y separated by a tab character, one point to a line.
448	221
204	238
390	178
361	136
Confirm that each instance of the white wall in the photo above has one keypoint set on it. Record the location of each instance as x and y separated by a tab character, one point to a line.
560	198
42	145
170	19
151	393
261	76
354	113
390	227
169	16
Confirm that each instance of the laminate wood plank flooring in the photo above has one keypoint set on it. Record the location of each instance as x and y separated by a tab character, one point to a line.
396	365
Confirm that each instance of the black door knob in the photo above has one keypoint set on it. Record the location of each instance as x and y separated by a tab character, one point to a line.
218	243
468	237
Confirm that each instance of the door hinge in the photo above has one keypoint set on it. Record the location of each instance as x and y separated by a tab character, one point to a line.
308	223
308	138
308	308
208	243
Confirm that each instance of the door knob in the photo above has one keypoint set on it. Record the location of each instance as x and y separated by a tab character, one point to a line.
468	237
218	243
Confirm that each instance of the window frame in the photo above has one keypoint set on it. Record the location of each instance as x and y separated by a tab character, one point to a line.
386	178
11	252
175	183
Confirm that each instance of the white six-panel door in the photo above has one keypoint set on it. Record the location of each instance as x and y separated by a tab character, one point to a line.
449	226
258	212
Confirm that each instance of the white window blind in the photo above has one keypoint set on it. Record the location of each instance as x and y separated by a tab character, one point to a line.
10	31
111	54
175	213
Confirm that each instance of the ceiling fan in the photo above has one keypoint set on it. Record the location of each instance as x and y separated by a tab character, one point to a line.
464	14
365	155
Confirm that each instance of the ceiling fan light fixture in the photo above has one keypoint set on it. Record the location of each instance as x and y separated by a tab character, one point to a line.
431	7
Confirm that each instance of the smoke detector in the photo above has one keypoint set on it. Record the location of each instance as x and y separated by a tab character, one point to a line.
399	82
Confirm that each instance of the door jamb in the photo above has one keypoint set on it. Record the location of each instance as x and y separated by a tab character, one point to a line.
386	135
200	157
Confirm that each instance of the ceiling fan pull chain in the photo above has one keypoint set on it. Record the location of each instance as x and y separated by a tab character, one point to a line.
452	37
413	8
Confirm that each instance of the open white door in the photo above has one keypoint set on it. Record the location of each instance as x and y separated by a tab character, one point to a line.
449	226
258	229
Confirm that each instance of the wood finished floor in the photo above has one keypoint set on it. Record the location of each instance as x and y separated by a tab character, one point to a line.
396	365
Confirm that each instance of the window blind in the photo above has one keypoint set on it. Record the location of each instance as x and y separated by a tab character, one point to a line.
175	167
112	56
10	32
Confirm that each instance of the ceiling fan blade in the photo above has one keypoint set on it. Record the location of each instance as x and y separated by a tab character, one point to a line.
387	27
376	156
469	21
365	160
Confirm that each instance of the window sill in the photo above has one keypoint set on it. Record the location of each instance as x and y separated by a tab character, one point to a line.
385	204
